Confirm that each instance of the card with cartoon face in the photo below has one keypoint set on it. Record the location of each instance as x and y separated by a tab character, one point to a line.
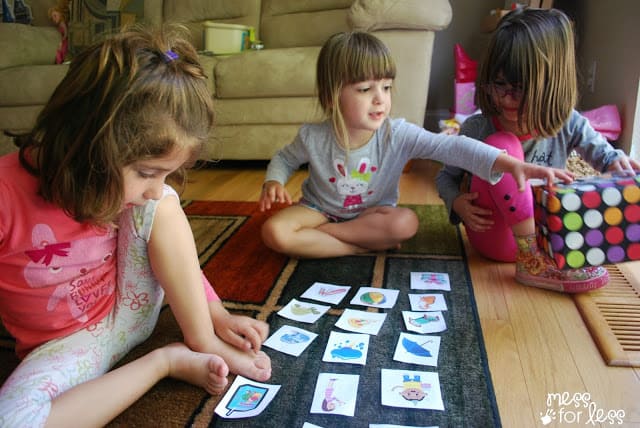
411	389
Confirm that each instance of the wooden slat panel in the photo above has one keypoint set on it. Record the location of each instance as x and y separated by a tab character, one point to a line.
612	315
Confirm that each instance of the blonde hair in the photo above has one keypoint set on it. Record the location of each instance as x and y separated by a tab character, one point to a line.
347	58
140	94
534	49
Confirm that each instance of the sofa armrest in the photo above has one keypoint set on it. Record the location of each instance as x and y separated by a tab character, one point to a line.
371	15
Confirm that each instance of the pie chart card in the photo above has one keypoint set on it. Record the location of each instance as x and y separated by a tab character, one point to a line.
376	297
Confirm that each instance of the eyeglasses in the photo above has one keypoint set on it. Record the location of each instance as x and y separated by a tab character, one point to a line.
502	89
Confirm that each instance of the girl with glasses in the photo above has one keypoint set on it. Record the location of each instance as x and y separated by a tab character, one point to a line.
528	94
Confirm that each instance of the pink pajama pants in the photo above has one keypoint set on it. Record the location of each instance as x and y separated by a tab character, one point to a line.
508	205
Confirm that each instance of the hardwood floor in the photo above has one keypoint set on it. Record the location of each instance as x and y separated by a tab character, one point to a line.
536	341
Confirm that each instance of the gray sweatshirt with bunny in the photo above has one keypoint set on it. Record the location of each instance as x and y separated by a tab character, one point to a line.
343	184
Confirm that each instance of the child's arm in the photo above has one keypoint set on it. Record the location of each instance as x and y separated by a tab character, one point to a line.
272	192
174	259
521	171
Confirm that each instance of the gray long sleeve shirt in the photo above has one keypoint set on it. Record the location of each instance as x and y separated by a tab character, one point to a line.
344	185
577	134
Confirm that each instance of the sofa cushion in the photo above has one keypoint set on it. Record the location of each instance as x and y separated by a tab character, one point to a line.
267	73
24	44
29	84
290	23
260	111
370	15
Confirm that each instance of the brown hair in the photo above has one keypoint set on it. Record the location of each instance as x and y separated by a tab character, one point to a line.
140	94
346	58
534	49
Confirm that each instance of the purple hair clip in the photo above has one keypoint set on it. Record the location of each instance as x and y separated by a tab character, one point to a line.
170	56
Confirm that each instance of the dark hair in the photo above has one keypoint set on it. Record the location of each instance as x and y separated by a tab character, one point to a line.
534	49
140	94
346	58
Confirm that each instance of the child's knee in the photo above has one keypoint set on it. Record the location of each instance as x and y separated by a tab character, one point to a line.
405	225
273	236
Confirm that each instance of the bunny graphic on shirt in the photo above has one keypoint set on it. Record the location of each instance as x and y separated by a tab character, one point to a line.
352	185
76	268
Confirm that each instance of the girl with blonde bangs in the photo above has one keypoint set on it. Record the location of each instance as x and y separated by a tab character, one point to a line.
355	158
527	92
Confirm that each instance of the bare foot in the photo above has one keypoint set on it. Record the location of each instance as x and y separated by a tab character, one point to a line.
251	364
204	370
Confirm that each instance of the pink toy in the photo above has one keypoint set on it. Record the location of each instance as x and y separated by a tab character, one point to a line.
465	82
606	120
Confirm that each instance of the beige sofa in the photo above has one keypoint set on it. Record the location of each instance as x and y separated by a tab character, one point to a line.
28	74
262	96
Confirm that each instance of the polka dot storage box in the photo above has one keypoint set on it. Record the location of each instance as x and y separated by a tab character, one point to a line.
590	222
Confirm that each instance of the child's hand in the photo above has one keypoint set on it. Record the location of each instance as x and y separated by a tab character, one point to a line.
624	165
530	170
240	331
273	192
474	217
522	171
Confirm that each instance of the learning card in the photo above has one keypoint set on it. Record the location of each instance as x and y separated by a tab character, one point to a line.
411	389
430	281
335	394
427	302
290	340
375	297
395	426
361	321
424	322
347	348
328	293
417	349
246	398
303	311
